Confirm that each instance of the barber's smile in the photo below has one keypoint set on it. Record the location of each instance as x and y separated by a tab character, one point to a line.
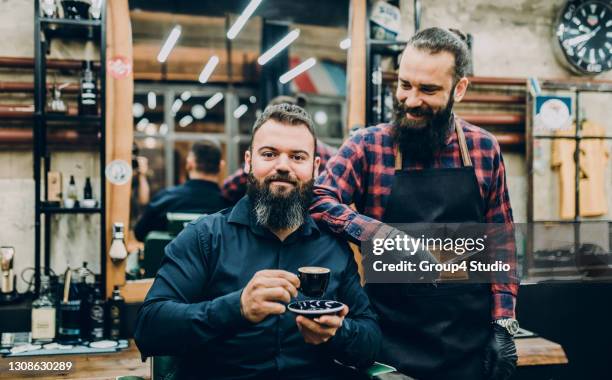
415	117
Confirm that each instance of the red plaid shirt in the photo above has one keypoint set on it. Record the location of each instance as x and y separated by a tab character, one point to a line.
362	173
234	186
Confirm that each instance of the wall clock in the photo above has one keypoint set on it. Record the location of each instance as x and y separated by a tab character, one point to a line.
583	38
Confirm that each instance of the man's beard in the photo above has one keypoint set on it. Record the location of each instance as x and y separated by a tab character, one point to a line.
279	210
422	139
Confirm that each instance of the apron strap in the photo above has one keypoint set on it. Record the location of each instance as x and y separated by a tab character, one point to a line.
465	154
398	158
463	149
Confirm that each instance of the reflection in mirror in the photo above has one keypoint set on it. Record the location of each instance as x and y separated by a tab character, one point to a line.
194	84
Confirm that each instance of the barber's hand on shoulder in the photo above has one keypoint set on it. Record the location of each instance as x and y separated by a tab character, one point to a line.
500	355
266	292
321	329
417	257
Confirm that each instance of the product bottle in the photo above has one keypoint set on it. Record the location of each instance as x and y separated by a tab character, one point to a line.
69	331
84	290
115	306
43	313
87	192
88	96
96	313
48	8
118	251
71	191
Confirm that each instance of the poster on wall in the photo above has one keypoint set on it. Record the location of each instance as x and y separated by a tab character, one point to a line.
552	113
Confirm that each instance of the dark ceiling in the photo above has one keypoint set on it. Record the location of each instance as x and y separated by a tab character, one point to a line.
316	12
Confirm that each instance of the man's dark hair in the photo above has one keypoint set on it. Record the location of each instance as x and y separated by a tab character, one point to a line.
207	156
435	40
297	100
288	114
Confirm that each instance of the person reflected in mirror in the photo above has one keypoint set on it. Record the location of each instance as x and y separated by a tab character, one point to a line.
200	194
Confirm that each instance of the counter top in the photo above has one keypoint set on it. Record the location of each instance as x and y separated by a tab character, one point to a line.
531	352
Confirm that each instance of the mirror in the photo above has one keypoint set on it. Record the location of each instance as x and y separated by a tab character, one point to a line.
210	87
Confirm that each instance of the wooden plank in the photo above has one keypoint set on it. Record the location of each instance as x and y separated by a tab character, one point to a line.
539	351
356	67
186	62
494	81
84	366
483	119
493	98
135	290
119	130
28	62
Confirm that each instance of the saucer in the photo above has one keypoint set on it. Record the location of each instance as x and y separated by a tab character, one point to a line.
315	307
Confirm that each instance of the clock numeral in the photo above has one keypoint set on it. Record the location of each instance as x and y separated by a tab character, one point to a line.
594	67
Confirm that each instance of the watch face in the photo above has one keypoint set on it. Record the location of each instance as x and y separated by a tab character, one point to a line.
513	327
584	34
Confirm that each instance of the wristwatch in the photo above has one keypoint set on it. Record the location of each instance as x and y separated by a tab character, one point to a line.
510	324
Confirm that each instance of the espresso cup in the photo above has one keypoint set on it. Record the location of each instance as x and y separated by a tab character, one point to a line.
313	281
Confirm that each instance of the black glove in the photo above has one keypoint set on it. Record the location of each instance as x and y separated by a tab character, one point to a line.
500	355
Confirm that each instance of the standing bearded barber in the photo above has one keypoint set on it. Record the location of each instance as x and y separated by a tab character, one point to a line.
428	166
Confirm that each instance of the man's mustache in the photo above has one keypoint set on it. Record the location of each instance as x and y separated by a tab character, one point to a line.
280	177
417	111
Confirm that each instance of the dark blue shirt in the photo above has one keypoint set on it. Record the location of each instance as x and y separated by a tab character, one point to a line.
196	196
193	308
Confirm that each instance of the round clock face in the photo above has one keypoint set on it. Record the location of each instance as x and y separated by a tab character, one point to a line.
584	33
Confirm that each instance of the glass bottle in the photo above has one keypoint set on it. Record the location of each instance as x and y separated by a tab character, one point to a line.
96	313
43	313
69	331
115	314
87	192
48	8
88	96
71	191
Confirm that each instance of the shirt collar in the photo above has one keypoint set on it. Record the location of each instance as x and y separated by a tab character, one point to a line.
241	214
451	133
200	182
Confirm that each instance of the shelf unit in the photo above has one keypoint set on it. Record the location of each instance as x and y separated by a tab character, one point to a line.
45	31
577	87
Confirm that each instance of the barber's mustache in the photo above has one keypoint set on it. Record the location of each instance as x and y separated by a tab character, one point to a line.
417	111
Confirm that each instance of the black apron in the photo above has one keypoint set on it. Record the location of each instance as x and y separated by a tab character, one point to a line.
434	332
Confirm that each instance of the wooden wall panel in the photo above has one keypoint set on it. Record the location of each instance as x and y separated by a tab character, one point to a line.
119	129
356	75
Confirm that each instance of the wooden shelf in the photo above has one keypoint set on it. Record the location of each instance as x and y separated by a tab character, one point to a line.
74	210
482	119
70	29
73	119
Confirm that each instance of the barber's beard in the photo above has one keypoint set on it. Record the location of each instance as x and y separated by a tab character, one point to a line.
423	139
279	210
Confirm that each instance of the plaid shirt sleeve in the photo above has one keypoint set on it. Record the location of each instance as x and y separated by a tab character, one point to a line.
341	184
234	186
499	211
325	152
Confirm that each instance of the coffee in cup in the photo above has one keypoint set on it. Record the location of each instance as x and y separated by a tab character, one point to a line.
313	280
